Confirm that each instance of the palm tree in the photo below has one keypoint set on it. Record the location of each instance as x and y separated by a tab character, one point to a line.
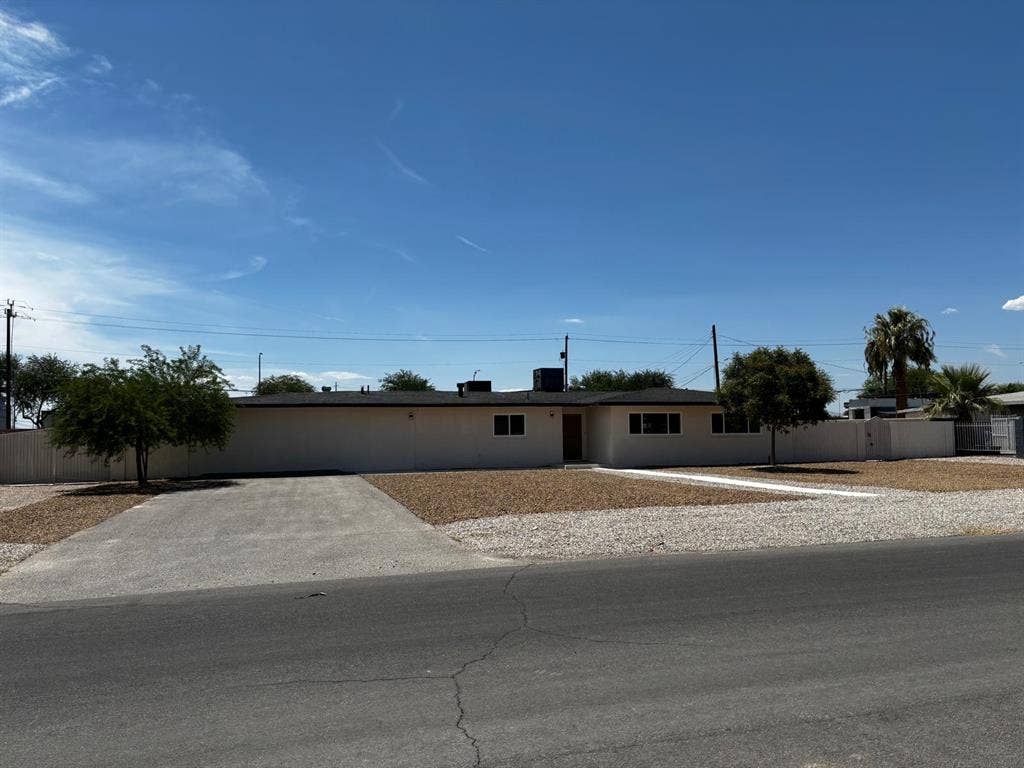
962	391
897	338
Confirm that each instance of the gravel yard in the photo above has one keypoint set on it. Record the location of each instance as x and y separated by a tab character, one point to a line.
14	496
815	520
446	497
909	474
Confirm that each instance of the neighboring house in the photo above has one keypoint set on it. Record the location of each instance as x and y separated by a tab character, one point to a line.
868	407
1012	402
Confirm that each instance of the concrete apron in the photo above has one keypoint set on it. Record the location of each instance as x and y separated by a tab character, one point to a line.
732	481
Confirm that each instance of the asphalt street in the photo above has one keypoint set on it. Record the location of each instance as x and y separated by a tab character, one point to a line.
894	654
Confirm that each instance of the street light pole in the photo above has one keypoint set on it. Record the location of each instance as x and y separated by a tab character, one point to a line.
259	371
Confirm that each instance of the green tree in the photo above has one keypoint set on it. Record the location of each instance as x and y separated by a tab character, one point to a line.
1010	386
621	381
919	384
105	410
779	388
895	339
285	382
962	391
37	384
405	381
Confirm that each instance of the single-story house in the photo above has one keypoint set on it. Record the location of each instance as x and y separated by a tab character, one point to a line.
476	428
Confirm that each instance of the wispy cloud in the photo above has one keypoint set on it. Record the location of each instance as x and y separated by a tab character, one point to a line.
29	58
396	110
1015	305
98	65
400	252
574	321
471	244
256	264
950	311
399	166
15	174
995	349
343	375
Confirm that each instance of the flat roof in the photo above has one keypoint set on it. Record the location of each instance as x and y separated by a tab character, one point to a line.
518	399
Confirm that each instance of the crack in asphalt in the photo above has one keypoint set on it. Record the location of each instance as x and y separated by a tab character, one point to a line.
458	690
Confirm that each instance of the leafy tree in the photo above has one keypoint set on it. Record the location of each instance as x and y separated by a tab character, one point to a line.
37	383
895	339
405	381
919	383
621	381
962	391
779	388
1010	386
286	382
105	410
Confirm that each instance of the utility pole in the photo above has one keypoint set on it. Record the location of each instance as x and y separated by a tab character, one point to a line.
714	346
9	315
259	371
565	365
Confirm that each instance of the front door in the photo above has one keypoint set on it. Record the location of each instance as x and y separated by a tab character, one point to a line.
572	436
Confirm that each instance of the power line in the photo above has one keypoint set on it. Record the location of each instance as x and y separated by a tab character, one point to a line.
695	353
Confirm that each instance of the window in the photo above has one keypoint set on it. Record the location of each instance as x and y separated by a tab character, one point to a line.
510	425
733	424
655	424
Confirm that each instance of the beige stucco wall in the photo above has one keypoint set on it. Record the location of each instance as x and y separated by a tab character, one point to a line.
695	446
380	439
839	440
918	438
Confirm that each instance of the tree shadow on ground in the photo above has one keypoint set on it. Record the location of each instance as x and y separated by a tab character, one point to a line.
154	488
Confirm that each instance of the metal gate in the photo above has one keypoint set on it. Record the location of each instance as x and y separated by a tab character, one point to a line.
1005	431
996	434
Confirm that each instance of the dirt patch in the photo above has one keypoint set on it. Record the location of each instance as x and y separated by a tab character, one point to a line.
60	515
909	474
446	497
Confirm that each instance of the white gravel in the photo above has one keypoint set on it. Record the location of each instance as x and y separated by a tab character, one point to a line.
819	520
983	459
12	554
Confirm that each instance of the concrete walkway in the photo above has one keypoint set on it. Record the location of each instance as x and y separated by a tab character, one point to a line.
737	482
244	532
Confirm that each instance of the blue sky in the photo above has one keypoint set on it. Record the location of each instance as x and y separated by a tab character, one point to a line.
453	186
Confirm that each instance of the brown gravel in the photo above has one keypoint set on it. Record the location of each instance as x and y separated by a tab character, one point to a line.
446	497
57	517
909	474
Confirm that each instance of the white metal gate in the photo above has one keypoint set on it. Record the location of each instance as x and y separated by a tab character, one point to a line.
1004	434
997	434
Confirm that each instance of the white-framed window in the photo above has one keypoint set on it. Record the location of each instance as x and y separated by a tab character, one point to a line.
655	424
510	425
733	424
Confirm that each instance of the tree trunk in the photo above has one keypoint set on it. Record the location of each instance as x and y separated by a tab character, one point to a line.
771	449
141	463
899	376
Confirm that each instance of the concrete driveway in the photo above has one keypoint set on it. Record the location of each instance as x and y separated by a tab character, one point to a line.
240	533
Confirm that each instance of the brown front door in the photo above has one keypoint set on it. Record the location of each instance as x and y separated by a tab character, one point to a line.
572	436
